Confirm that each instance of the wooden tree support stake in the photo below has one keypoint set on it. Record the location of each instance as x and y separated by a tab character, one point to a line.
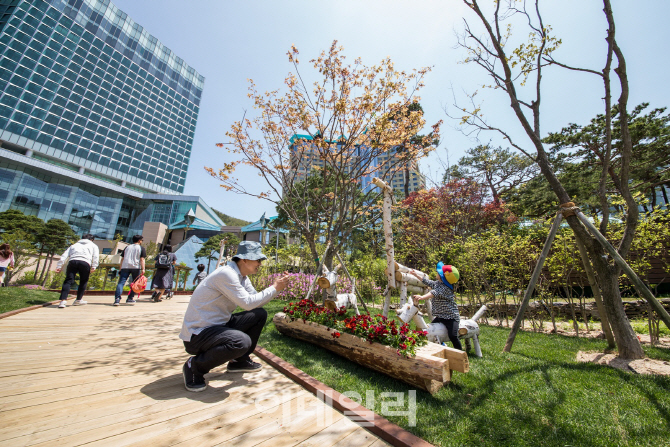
642	289
531	285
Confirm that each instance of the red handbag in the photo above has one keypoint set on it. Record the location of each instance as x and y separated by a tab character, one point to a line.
139	285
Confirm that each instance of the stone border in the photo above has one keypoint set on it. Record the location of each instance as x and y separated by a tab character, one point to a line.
381	427
111	292
25	309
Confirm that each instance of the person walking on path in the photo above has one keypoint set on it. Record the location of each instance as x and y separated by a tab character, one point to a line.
6	261
132	265
200	276
164	275
83	259
211	332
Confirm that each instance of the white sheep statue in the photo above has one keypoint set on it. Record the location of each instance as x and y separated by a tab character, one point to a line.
437	332
328	282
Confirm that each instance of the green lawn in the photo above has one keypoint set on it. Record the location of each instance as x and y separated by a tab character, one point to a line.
537	395
12	298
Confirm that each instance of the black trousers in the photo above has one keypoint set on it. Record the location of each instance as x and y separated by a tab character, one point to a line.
452	330
236	339
74	267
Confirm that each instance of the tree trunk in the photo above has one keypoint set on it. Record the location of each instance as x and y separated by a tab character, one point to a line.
37	264
51	258
44	268
627	342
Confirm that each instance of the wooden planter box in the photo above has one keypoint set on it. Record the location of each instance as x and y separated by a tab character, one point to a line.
429	370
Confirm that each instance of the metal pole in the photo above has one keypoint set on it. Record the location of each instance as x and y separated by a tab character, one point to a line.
639	285
533	281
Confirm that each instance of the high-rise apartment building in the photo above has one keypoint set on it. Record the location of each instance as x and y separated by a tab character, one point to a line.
97	118
304	159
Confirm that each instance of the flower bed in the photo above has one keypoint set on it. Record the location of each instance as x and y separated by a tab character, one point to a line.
406	354
374	329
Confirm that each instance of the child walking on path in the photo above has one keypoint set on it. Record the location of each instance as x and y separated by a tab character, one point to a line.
200	275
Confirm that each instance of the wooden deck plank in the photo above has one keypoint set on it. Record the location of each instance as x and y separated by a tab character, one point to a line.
104	375
329	435
99	411
358	438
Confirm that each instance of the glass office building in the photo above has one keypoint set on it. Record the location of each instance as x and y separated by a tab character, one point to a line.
91	205
83	86
97	119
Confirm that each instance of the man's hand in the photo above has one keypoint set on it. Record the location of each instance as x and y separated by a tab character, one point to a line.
92	270
281	282
57	270
416	298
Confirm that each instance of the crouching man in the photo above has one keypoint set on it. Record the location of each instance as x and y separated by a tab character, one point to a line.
211	332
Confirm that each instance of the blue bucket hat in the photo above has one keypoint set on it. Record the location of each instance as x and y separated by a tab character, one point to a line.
252	251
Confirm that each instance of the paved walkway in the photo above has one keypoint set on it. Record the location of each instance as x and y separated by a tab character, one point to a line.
103	375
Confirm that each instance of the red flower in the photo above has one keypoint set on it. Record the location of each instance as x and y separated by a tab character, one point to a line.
336	334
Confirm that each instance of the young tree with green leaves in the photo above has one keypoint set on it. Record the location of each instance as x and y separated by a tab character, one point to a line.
212	247
346	121
54	238
499	169
510	65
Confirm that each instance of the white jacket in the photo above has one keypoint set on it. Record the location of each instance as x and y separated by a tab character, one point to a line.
84	250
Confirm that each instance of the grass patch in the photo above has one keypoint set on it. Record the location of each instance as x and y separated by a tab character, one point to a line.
12	298
537	395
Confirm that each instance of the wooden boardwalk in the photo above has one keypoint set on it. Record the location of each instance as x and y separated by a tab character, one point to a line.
103	375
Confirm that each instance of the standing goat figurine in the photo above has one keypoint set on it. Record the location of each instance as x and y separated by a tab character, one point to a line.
437	332
328	282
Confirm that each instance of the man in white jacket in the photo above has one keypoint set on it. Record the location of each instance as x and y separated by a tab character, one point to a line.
83	257
212	333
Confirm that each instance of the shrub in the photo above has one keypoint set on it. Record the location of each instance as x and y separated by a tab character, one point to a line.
27	278
298	285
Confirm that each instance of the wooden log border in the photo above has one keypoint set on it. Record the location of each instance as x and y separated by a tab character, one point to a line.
429	370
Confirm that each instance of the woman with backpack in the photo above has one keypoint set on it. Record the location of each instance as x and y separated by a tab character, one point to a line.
164	275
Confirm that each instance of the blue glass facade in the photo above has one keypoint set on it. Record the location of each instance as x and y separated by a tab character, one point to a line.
89	206
83	85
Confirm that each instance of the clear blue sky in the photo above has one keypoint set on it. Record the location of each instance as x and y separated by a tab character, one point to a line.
229	42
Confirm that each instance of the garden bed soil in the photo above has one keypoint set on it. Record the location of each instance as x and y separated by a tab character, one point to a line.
566	329
640	366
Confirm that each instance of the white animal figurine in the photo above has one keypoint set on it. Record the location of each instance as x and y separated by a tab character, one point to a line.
437	332
328	282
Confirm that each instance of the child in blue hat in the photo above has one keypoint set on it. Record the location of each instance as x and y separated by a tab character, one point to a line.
443	299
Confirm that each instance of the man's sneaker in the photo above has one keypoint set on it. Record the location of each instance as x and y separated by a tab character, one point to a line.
192	380
244	366
63	304
130	301
117	302
79	302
